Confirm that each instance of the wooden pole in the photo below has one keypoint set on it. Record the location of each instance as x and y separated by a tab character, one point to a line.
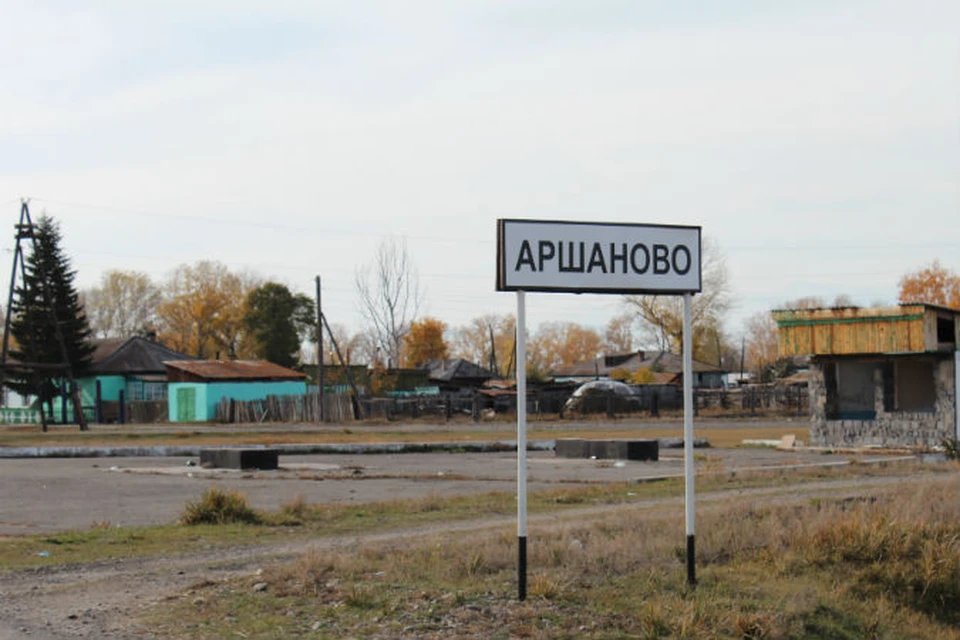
321	382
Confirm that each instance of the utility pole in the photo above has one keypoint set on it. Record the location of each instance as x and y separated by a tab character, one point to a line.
321	382
26	231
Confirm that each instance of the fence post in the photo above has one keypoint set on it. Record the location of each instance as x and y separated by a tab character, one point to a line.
98	403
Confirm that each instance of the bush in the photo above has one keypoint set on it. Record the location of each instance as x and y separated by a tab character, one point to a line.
951	447
217	506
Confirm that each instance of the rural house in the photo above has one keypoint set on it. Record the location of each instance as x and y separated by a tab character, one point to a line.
881	376
134	366
131	367
455	374
668	368
196	387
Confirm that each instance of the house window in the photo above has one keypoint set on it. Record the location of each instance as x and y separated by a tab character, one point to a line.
850	390
908	385
141	390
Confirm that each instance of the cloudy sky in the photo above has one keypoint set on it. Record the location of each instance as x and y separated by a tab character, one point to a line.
818	143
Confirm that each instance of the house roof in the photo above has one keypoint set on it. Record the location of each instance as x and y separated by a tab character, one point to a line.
234	370
449	369
132	356
656	361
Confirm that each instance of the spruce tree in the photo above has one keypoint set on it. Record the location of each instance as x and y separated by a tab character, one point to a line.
48	281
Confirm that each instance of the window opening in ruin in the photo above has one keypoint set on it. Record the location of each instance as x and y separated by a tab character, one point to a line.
946	331
912	385
854	392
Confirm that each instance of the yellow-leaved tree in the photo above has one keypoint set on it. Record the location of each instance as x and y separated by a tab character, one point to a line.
933	284
425	342
203	309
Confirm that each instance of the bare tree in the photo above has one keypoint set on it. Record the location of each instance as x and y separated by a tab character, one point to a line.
661	317
618	337
488	341
390	296
123	305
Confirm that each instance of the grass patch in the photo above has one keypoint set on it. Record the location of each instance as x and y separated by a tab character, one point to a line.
218	506
807	569
298	520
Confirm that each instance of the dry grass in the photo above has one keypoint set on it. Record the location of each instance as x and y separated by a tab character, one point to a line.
879	565
218	506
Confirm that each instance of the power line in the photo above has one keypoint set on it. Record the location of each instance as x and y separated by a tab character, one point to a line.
253	224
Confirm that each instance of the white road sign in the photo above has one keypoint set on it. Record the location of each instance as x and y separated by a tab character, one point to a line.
591	257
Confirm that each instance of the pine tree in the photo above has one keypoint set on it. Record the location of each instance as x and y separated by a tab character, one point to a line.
48	281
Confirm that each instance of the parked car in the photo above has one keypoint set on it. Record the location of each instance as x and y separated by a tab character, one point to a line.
596	396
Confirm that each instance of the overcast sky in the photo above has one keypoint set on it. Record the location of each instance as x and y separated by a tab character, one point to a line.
817	142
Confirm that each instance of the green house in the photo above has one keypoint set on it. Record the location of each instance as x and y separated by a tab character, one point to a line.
196	387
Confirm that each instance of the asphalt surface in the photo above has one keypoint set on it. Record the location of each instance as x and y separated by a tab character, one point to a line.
56	494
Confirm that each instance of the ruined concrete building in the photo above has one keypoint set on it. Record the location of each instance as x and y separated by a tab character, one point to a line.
881	376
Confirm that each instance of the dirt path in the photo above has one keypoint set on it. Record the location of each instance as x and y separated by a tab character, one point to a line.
103	599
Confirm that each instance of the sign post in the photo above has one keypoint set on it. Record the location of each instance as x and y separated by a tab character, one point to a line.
521	446
591	257
688	496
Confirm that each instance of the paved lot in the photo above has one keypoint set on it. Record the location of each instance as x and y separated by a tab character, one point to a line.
45	495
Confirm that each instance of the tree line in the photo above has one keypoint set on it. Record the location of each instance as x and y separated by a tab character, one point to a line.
207	310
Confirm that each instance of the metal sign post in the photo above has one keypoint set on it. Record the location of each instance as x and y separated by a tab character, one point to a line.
521	446
589	257
688	438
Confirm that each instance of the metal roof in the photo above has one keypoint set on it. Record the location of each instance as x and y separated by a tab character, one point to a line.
656	361
135	355
235	370
449	369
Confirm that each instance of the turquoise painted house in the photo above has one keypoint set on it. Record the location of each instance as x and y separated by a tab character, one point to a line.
136	366
132	365
196	387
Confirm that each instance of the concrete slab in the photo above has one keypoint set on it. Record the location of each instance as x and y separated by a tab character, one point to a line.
261	459
608	449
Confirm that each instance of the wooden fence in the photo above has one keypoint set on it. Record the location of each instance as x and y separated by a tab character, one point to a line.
304	408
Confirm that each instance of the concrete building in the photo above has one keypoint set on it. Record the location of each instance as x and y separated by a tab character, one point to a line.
879	376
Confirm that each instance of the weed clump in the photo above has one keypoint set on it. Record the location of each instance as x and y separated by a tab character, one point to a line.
218	506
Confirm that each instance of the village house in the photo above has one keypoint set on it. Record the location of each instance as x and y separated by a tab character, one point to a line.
878	376
667	368
134	366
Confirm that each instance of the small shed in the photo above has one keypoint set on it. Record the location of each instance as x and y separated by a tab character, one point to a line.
878	376
197	387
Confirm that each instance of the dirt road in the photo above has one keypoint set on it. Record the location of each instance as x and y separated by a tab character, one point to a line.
103	600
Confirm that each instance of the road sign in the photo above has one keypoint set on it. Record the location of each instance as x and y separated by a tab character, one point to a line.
589	257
